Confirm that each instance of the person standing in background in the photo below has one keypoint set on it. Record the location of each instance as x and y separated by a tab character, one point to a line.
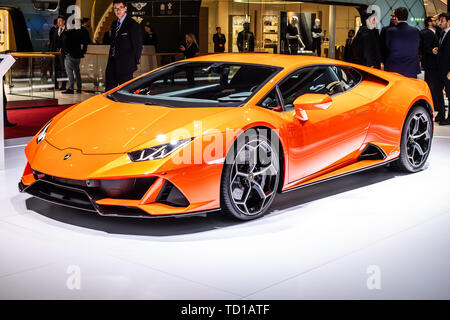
56	45
86	36
245	39
51	35
384	50
85	31
150	38
126	47
348	50
294	40
429	43
443	52
74	47
317	35
402	43
190	48
219	40
367	50
47	68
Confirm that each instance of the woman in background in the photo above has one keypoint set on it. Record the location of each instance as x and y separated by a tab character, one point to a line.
190	49
150	38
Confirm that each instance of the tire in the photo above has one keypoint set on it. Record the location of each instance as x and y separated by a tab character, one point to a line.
249	187
416	139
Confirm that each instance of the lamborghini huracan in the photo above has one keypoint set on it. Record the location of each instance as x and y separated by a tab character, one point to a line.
227	132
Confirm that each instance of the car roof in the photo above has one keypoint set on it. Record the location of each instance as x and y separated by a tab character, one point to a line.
279	60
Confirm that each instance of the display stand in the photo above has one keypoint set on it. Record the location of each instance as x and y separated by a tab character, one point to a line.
270	33
6	61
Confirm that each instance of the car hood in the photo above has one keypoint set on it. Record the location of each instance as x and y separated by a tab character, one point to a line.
102	126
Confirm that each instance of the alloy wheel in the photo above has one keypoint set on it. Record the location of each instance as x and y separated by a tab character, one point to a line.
254	177
419	139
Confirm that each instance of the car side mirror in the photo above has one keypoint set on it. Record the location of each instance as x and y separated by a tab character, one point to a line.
310	101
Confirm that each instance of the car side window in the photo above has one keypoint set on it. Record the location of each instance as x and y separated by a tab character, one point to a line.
271	101
348	77
320	79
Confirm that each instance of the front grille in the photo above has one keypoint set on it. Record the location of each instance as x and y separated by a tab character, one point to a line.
63	181
60	194
83	194
133	189
126	189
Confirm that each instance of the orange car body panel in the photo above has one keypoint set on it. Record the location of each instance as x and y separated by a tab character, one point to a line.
98	133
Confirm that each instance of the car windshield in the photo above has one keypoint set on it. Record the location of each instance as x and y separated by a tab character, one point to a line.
197	84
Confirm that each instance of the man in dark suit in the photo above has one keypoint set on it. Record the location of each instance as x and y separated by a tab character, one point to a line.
51	34
366	46
126	47
56	45
47	65
85	31
402	43
219	40
443	52
428	44
348	50
384	50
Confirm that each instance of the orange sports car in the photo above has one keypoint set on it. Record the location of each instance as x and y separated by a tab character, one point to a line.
227	132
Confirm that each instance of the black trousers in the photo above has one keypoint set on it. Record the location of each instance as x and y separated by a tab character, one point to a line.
60	70
293	48
115	77
433	79
317	46
444	83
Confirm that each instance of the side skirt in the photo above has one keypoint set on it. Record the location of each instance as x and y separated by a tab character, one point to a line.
307	184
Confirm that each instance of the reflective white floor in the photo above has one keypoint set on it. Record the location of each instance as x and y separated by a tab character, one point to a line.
318	243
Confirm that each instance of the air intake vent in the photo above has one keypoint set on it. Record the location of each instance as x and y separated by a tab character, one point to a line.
172	196
372	152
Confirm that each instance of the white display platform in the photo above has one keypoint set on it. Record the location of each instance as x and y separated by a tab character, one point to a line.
6	61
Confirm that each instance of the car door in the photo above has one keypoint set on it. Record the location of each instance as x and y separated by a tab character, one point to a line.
331	136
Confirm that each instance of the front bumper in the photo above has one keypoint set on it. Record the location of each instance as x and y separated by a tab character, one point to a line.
167	199
112	185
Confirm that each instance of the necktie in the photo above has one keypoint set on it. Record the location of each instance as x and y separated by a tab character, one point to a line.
443	33
115	38
118	27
